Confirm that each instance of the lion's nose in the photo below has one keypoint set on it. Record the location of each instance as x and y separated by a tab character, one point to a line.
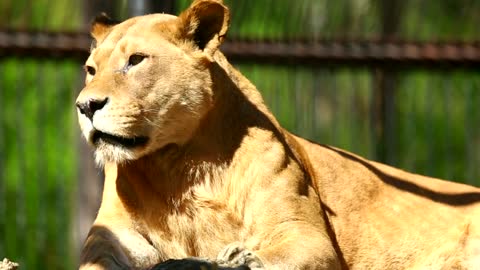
89	107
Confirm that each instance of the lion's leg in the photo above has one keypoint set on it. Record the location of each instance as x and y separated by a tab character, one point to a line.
294	249
290	233
308	252
289	254
102	251
105	249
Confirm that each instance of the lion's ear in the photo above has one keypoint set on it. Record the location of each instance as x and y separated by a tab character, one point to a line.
205	22
101	26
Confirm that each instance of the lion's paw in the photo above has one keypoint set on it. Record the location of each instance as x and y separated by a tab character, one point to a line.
236	254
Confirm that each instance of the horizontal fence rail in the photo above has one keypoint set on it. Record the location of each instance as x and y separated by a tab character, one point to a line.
342	51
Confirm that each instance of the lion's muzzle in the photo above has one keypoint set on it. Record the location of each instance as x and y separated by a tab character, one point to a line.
99	136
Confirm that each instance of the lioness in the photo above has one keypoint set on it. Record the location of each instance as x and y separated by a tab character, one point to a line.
197	167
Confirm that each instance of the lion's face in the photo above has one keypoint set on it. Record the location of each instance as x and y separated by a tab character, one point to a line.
147	85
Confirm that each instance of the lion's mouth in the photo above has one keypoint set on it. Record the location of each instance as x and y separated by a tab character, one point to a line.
118	140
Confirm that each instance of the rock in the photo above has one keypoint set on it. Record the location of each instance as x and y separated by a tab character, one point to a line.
6	264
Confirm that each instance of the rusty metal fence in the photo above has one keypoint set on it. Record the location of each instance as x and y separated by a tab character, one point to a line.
395	81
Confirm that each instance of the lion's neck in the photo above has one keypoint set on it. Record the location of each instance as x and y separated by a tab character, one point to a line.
168	177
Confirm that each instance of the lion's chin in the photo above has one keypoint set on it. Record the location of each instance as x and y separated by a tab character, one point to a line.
107	153
117	149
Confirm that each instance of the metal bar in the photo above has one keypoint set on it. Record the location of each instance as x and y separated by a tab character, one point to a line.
3	184
20	207
141	7
384	112
43	44
366	52
384	115
93	8
342	52
41	131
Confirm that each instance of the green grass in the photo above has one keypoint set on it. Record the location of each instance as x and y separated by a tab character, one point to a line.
39	160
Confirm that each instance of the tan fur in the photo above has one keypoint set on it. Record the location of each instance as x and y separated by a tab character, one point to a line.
219	177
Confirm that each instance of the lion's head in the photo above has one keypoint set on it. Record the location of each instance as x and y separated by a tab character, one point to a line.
148	82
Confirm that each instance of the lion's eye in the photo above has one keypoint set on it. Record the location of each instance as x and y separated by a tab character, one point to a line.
90	70
135	59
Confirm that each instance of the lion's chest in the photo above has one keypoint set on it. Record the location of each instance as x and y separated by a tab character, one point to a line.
199	230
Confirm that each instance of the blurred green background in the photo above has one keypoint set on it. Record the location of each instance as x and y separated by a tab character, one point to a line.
435	114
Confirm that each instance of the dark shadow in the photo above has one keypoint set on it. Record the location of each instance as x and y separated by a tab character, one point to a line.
193	264
455	199
99	246
245	115
331	233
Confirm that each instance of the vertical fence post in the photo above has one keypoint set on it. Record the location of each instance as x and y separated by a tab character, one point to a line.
94	7
384	87
141	7
383	114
